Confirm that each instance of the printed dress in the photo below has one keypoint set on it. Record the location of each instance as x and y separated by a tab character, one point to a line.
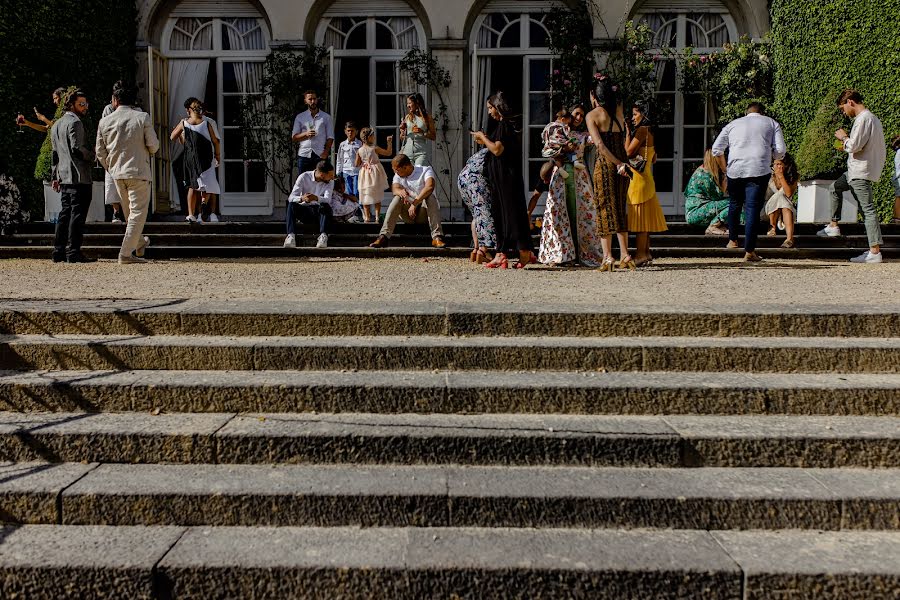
610	188
476	193
704	202
558	246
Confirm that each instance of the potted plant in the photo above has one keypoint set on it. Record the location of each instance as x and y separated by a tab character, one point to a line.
820	161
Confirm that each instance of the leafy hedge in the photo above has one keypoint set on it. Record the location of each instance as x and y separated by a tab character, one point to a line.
828	45
49	44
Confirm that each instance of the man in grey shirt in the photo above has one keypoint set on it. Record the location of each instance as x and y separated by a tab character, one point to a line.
753	142
72	162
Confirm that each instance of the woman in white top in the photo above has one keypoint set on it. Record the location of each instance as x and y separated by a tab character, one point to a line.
201	157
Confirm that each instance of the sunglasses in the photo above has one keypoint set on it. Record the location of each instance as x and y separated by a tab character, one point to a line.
81	104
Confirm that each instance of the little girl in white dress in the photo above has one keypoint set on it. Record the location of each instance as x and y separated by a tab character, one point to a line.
372	177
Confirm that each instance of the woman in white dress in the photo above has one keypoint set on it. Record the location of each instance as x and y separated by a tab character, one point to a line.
201	158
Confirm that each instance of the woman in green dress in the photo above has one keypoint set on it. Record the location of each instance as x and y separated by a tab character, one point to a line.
706	197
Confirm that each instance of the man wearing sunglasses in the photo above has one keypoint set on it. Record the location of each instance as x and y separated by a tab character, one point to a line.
72	162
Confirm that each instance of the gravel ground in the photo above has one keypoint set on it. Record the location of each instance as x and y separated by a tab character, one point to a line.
669	283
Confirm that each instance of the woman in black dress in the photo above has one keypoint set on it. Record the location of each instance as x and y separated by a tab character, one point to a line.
503	169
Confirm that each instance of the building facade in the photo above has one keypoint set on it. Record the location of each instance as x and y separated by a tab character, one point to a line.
214	50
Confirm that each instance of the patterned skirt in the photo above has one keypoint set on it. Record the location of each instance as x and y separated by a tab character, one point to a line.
611	198
476	193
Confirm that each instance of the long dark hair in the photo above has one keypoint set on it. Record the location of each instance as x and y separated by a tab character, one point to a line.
420	104
606	95
498	101
791	173
646	121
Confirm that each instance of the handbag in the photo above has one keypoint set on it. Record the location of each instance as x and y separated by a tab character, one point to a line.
638	163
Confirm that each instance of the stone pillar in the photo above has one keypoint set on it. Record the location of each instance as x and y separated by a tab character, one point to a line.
451	146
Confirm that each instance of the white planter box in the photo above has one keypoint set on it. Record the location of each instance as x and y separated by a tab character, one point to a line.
814	203
53	204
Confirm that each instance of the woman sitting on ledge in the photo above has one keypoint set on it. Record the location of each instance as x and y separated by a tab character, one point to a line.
706	197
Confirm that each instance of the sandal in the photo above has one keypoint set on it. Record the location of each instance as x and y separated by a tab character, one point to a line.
788	244
772	232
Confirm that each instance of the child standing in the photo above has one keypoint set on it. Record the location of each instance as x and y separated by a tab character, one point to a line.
372	177
346	159
784	183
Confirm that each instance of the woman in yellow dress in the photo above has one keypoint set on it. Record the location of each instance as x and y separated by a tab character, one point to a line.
645	215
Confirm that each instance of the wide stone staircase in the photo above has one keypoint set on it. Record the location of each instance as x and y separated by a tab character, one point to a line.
192	449
170	240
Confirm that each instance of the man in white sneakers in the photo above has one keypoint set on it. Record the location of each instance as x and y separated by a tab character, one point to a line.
309	202
867	153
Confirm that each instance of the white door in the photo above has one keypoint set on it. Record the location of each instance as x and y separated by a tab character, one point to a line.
243	180
537	111
387	102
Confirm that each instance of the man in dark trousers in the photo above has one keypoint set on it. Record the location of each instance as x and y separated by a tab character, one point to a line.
72	162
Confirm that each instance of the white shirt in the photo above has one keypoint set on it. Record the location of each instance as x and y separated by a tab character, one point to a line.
306	184
753	142
415	183
323	127
346	157
866	148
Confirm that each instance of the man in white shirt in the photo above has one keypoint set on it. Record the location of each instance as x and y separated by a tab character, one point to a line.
413	187
314	130
865	146
310	202
346	159
753	142
125	142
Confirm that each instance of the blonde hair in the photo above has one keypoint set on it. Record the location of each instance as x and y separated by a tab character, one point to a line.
711	164
365	134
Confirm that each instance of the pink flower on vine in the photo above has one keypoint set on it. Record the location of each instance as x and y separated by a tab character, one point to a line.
704	58
556	71
567	82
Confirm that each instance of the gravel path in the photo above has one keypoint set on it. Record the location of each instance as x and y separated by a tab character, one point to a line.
670	283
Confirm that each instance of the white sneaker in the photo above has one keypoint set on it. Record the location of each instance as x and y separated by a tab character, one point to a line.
290	241
139	251
323	241
829	231
116	220
867	258
199	218
213	218
191	219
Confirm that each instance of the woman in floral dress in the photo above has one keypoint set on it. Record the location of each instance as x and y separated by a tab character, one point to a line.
476	193
570	207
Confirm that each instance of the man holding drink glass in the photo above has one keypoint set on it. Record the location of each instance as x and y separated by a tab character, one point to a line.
314	130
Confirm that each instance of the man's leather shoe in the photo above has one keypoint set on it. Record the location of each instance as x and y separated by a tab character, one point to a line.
381	241
80	258
438	242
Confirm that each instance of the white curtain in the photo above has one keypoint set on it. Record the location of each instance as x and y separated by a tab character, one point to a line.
187	78
335	90
483	90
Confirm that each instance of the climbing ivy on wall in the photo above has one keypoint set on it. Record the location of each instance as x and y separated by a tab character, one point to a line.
828	45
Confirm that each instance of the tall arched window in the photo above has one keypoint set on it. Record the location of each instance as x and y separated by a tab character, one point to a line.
685	122
367	41
510	52
216	52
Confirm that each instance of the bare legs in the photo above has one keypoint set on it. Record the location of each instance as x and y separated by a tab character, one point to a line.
624	257
642	255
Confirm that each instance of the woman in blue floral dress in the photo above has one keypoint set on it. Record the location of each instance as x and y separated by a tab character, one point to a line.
476	193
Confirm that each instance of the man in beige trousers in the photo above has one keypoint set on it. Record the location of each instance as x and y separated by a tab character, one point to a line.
125	141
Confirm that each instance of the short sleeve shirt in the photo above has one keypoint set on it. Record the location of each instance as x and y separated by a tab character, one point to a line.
415	183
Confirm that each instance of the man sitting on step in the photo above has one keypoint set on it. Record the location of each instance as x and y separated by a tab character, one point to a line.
310	201
413	187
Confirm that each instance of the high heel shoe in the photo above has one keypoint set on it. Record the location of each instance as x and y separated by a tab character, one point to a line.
473	256
531	260
481	257
607	265
499	262
626	263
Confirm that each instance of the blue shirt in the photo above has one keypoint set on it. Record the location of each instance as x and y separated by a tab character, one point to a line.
753	143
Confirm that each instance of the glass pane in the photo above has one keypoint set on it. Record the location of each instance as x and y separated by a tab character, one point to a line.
539	71
233	140
539	109
232	110
512	37
538	35
694	109
384	37
230	73
666	79
386	110
357	38
535	143
694	143
665	142
234	176
662	173
256	177
665	109
385	77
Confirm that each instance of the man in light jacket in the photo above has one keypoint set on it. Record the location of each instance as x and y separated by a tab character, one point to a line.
867	154
753	143
125	141
72	161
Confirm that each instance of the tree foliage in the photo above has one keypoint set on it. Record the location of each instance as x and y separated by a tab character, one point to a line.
829	45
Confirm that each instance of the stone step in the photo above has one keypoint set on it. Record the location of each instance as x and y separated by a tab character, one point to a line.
304	318
368	353
458	252
450	496
488	439
54	561
459	240
447	392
